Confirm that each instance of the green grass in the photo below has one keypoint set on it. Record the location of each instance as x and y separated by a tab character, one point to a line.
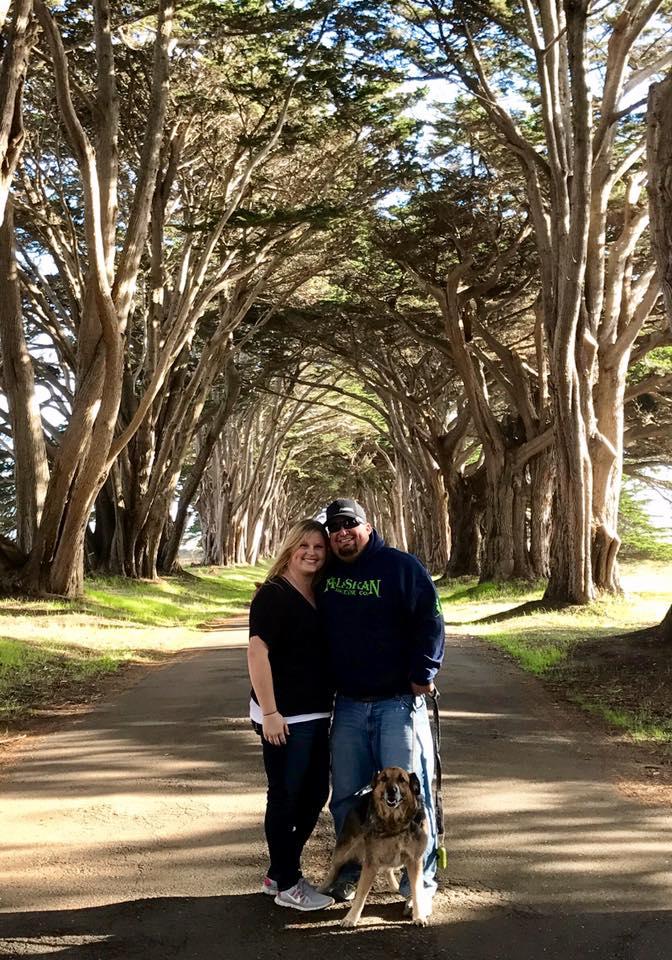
186	600
645	598
52	651
638	725
536	657
37	676
467	599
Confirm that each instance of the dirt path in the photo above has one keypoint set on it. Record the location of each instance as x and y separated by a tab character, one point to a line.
136	833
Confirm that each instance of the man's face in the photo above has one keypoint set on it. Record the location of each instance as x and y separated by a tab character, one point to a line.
346	543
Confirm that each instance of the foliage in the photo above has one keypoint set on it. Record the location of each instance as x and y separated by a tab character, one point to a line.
656	361
640	538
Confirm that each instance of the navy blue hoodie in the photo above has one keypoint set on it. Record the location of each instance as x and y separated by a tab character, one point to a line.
384	622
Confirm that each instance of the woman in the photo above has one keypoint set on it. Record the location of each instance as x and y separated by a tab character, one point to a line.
290	708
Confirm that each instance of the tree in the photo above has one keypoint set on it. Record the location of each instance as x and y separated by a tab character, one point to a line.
31	472
17	41
583	179
55	563
659	144
469	252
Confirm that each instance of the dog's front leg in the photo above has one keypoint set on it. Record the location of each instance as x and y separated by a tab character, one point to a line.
366	878
418	894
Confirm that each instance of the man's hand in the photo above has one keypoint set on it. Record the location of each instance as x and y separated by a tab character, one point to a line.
419	689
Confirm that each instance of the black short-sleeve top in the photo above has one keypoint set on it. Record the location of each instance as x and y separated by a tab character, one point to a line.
292	630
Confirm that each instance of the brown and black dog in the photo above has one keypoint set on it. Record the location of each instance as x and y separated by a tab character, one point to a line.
387	828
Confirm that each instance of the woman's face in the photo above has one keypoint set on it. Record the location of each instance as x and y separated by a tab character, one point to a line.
309	556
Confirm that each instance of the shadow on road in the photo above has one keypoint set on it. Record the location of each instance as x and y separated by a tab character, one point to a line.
251	927
162	792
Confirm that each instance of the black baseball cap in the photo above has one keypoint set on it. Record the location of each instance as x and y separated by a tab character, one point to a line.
345	508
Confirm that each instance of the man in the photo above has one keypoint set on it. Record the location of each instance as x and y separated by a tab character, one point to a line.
386	639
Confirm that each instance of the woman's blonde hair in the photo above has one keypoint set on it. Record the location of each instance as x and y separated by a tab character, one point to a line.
292	541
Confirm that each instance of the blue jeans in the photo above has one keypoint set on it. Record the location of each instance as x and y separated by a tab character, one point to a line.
367	736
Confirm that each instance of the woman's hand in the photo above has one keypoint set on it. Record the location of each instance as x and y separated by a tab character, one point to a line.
275	729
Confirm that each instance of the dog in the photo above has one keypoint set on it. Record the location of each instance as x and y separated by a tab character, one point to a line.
387	828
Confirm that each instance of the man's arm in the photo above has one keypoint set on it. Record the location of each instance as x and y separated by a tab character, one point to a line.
427	631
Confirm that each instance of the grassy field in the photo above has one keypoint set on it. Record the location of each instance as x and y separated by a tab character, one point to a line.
55	653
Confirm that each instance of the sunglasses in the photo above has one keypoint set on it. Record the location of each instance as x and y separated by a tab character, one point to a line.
347	524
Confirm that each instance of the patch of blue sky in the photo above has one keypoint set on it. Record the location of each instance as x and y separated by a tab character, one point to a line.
44	263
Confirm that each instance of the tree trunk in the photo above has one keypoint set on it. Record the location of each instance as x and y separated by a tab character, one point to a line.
168	553
541	515
571	570
17	44
85	454
659	156
666	627
465	510
30	456
102	538
215	508
505	552
659	149
607	462
573	343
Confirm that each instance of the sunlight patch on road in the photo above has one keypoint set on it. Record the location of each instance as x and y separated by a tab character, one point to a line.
41	946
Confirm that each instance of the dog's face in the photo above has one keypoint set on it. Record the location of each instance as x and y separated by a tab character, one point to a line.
395	792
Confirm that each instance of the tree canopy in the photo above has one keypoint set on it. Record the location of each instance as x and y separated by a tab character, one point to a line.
248	263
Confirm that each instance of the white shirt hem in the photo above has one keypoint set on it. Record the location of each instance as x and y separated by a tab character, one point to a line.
257	715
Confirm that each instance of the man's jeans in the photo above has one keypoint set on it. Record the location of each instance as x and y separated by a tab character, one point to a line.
367	736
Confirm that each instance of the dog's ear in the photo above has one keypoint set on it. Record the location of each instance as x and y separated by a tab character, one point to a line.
374	779
415	783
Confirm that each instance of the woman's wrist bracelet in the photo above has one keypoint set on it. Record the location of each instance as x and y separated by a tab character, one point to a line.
271	713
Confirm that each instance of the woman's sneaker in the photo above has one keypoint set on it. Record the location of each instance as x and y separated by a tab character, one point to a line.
303	896
269	887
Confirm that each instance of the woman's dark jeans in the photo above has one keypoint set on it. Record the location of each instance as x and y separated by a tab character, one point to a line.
298	786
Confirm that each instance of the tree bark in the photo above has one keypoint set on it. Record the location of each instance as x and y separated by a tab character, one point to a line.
659	147
505	551
607	460
31	472
541	515
659	157
666	627
18	42
573	345
465	511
